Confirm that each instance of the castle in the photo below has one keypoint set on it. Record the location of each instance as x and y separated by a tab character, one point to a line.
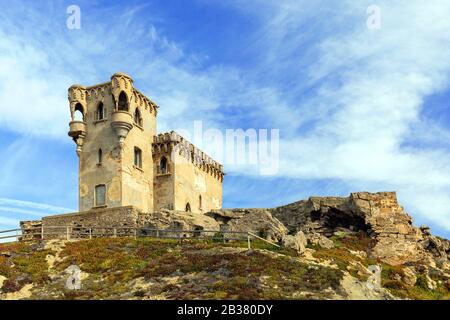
126	170
123	162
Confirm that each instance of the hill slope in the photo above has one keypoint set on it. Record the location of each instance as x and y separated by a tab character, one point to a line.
125	268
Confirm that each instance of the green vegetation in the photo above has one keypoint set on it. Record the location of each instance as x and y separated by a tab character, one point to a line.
26	264
144	268
117	268
391	276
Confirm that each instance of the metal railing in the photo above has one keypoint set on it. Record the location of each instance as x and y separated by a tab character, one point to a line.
79	233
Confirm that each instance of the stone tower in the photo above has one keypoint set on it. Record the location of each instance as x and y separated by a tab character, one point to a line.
113	132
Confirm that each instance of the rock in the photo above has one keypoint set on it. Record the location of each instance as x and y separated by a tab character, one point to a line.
296	242
409	277
431	284
180	220
2	279
377	214
359	254
425	230
319	240
258	221
6	254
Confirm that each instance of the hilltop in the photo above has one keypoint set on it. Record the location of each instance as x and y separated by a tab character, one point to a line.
331	248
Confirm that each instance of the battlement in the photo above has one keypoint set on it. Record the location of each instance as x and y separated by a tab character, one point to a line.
172	141
120	82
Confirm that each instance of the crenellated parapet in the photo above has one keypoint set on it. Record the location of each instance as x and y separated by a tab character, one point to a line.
168	142
126	99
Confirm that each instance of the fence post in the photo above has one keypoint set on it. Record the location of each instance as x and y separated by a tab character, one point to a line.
135	233
248	241
157	232
90	233
115	232
42	232
67	233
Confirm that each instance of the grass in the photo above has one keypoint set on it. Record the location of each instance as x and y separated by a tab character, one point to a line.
197	269
420	291
203	268
27	264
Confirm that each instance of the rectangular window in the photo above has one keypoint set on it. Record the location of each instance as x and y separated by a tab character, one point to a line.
100	195
137	157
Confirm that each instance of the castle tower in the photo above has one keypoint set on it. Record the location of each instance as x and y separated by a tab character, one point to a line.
186	179
113	132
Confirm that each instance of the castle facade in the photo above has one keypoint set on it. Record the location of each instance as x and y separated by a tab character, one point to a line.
124	162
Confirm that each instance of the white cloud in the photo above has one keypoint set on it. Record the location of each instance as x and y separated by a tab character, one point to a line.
373	86
345	98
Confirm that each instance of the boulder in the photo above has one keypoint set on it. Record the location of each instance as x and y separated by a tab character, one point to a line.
258	221
2	280
409	277
297	242
320	240
431	284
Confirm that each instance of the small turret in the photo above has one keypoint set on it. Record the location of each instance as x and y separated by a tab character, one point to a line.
77	100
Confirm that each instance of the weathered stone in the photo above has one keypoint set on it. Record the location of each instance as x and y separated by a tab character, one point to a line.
297	242
377	214
124	162
2	280
425	230
320	240
180	220
409	277
258	221
431	284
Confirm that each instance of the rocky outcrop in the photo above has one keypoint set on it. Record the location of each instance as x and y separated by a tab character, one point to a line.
258	221
377	214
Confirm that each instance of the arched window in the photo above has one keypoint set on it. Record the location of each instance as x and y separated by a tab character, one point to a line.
137	117
137	157
200	202
100	195
100	111
163	165
100	156
188	207
123	101
79	112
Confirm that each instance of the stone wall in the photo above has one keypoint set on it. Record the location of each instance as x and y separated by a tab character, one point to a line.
79	223
31	230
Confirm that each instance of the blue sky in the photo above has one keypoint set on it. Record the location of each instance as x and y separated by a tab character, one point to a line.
357	109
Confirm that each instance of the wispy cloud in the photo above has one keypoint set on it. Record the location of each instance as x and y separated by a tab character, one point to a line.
4	203
349	101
